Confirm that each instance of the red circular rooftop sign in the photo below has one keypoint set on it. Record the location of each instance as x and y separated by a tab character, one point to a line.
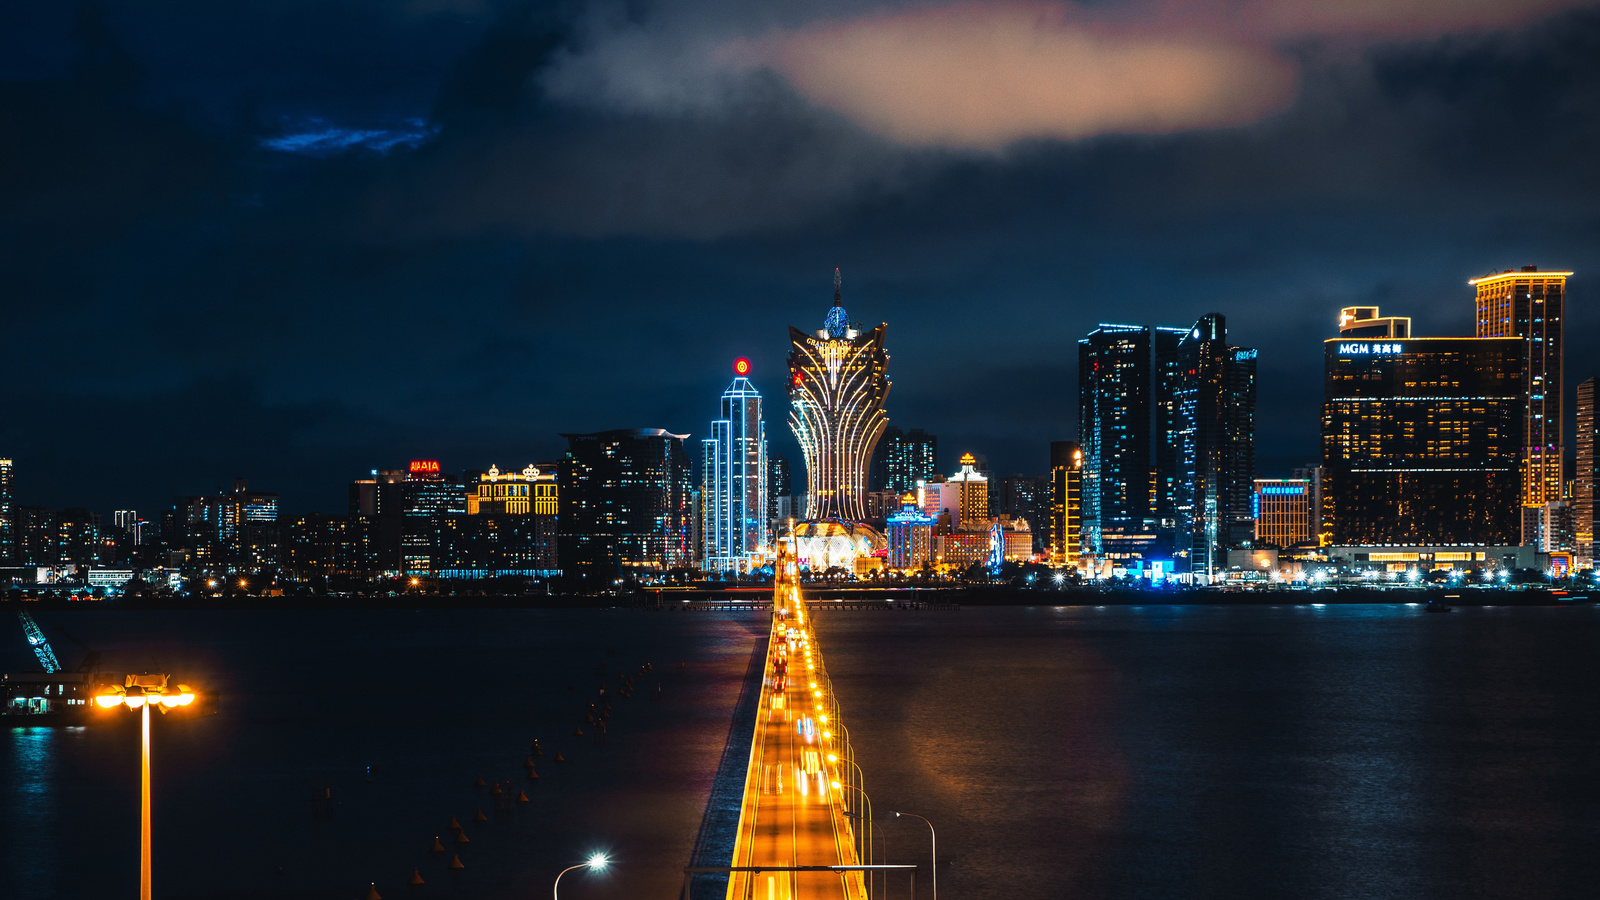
741	366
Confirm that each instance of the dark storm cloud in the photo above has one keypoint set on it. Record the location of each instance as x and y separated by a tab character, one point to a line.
295	242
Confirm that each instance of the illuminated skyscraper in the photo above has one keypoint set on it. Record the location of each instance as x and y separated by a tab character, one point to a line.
1531	304
838	381
428	499
1216	444
964	495
1583	482
734	479
625	505
903	459
1128	425
778	486
8	538
1066	503
1421	440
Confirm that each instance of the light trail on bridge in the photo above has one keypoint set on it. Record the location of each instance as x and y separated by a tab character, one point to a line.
798	789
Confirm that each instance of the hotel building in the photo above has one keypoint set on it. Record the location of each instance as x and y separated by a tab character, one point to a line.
733	491
1422	438
1530	304
1283	511
838	381
1066	503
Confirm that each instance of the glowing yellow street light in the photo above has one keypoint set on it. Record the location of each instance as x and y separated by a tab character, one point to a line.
143	692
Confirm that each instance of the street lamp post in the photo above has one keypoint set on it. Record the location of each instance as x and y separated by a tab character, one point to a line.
862	813
935	847
596	862
142	692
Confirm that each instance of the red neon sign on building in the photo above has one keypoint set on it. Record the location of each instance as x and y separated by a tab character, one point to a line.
424	467
741	366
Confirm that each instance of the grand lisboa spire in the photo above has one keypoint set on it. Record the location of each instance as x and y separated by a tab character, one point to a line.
838	380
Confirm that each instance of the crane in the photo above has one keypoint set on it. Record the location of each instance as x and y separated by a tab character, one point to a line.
41	647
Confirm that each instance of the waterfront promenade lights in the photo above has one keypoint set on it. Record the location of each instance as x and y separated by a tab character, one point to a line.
142	692
935	835
596	863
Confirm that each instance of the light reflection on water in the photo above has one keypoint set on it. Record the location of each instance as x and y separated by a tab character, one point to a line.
31	811
1233	751
430	700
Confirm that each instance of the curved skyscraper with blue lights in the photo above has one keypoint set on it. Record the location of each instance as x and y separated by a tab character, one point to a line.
838	381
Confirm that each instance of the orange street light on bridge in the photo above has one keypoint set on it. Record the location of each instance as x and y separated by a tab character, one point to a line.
142	692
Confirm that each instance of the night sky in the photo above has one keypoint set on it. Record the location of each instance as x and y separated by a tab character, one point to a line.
295	240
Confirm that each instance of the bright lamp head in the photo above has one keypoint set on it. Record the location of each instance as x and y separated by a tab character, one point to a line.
598	861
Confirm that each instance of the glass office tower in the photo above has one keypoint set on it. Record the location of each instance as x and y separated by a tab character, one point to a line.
1128	427
624	504
1216	445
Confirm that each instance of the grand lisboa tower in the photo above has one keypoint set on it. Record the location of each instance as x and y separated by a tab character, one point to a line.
838	380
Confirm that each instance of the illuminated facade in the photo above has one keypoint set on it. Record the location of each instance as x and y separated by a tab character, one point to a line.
1283	511
238	529
1421	440
910	534
1216	466
1530	304
8	537
1026	498
1128	424
529	492
1066	503
318	546
428	498
835	544
625	504
733	490
1583	482
903	459
778	491
838	381
965	495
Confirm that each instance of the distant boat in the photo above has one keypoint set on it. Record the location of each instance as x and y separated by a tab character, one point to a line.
1440	604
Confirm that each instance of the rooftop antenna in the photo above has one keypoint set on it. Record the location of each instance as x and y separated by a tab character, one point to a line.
838	322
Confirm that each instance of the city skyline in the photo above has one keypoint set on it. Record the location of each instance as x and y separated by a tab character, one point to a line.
258	315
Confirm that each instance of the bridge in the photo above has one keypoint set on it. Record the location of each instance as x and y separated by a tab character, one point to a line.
799	822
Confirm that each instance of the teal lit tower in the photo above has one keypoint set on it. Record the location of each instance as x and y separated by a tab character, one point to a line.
1216	444
733	475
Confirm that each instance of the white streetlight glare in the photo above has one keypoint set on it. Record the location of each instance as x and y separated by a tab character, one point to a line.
595	863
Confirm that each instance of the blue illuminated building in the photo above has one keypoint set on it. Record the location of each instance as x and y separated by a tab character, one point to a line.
1216	445
1128	429
733	473
910	536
